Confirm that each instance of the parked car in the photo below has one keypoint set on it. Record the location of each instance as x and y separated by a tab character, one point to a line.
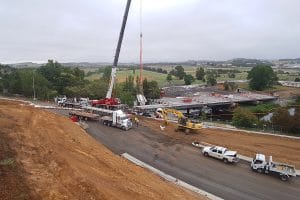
221	153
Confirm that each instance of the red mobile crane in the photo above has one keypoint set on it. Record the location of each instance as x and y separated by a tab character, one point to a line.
109	100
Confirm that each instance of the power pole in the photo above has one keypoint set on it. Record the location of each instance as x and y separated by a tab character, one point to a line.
34	98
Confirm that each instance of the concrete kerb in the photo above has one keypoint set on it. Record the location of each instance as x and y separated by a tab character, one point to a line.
170	178
245	158
208	125
40	106
255	132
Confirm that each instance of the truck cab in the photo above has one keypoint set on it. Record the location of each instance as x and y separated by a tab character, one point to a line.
123	121
258	163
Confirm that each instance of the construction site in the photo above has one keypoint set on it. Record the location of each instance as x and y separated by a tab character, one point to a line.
195	97
54	158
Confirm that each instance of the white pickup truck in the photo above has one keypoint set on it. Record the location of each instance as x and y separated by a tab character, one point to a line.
221	153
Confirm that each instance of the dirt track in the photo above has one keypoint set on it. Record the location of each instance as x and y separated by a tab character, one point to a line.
48	157
282	149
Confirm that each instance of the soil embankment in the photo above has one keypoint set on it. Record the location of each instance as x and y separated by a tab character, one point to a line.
46	156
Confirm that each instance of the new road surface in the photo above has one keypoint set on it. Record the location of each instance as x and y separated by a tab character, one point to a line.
185	162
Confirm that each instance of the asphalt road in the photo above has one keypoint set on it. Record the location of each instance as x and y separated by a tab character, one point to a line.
186	162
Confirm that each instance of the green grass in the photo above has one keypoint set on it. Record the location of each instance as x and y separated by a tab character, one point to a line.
93	77
7	162
122	74
161	78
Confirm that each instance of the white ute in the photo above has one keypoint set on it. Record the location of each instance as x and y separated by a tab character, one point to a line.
284	171
220	153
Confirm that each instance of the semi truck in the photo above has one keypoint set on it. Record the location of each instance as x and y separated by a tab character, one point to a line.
114	118
283	171
117	118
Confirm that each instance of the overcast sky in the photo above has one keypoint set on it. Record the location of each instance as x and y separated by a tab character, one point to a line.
173	30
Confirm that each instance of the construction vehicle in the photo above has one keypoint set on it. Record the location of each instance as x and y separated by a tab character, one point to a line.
184	124
283	171
110	101
84	115
60	99
114	118
117	118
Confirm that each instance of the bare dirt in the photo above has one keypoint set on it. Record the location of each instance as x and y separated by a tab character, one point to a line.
46	156
282	149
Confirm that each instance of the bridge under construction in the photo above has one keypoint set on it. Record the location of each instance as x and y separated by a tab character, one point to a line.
207	99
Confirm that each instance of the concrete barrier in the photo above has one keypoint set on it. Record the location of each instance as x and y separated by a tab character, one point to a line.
170	178
241	157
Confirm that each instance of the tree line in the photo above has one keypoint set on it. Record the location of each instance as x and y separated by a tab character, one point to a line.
53	79
284	119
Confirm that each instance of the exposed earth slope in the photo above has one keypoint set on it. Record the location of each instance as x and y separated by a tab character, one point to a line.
46	156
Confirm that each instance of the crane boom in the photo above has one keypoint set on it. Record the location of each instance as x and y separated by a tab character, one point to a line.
116	59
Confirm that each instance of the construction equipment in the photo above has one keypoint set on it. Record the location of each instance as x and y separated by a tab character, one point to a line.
184	124
109	100
282	170
114	118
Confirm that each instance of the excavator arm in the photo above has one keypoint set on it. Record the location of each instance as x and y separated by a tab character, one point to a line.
183	122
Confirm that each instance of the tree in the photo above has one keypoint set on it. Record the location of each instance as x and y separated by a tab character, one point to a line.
179	72
231	75
138	85
244	118
231	86
129	85
106	73
283	120
172	72
200	73
261	77
60	77
96	89
297	79
169	78
188	79
151	89
211	80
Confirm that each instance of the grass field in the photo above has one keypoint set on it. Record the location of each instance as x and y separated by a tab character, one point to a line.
121	77
161	78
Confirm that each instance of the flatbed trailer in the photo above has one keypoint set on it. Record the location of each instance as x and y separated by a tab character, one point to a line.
85	115
70	105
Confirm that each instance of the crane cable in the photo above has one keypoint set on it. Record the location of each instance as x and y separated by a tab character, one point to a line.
141	46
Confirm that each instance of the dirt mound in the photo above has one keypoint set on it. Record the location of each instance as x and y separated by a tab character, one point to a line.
46	156
282	149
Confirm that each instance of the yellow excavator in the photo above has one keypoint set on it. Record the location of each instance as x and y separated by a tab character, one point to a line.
184	124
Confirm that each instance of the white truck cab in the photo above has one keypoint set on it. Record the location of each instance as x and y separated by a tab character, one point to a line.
221	153
61	99
258	163
117	118
283	171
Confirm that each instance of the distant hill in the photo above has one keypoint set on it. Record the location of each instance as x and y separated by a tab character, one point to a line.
291	61
246	62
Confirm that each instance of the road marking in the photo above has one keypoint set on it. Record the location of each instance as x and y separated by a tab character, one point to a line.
170	178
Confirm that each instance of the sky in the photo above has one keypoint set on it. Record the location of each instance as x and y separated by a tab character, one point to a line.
173	30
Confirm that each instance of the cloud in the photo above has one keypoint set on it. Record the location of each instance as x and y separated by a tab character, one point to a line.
173	30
